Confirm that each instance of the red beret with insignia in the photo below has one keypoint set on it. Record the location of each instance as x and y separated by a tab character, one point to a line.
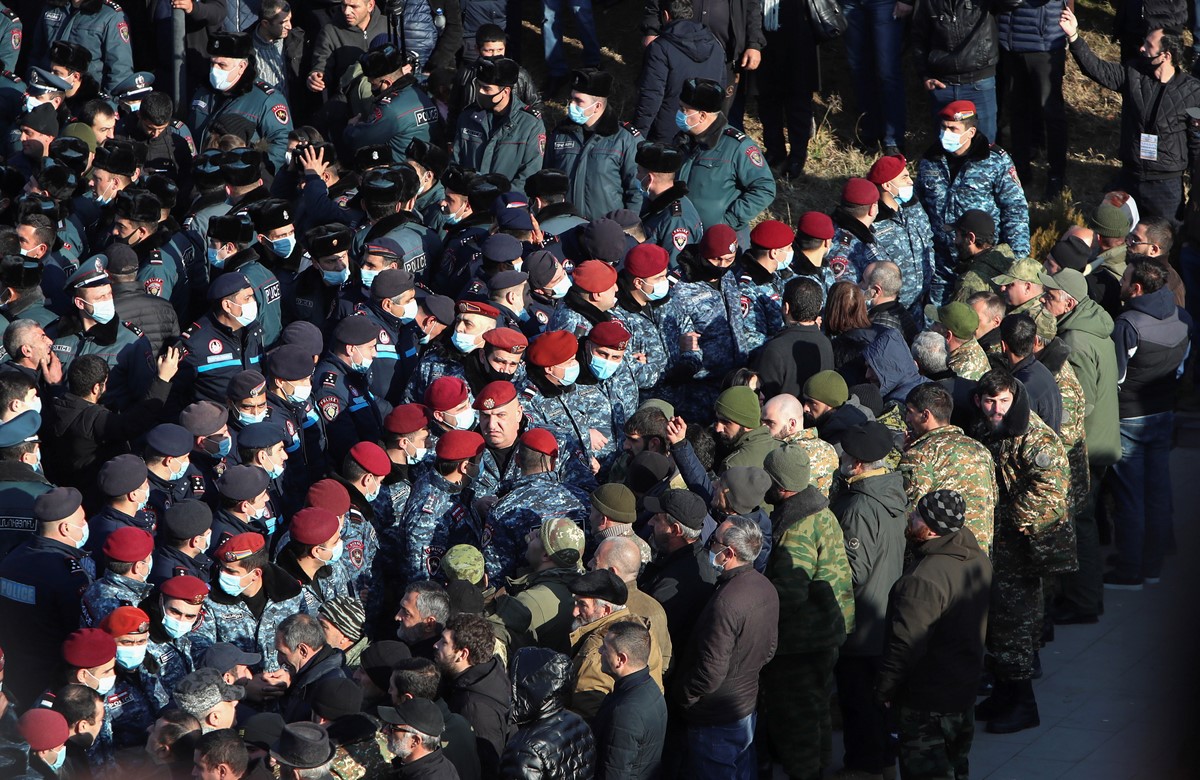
958	110
239	547
507	339
88	648
552	348
43	729
314	526
646	260
594	276
185	587
126	620
407	418
887	168
718	241
859	192
540	440
477	307
128	545
329	494
495	394
772	234
445	393
815	224
611	334
371	457
459	445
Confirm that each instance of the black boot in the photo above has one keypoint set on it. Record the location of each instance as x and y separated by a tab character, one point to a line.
1021	712
996	703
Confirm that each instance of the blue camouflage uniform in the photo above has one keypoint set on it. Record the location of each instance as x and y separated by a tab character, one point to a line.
329	582
671	220
214	355
524	503
715	309
440	359
575	409
511	144
11	33
621	390
853	248
360	533
654	331
762	298
728	180
257	112
170	659
600	162
404	112
305	443
98	26
905	238
121	344
225	618
109	592
439	515
133	706
987	181
351	411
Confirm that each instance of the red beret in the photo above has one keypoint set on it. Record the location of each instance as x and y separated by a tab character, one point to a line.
477	307
128	545
43	729
495	394
646	260
126	620
329	494
815	224
507	339
718	241
88	648
958	110
887	168
594	276
238	547
191	589
611	334
540	440
407	418
459	445
314	525
859	192
772	234
371	457
552	348
445	393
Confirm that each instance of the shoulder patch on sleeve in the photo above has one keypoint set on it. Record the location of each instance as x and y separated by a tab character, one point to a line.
330	407
1042	460
756	158
123	31
280	111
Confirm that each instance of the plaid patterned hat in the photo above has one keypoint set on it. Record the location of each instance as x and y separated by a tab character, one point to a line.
944	511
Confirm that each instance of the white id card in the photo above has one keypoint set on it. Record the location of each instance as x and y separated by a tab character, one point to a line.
1148	147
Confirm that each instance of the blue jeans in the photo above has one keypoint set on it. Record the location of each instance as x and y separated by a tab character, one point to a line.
1142	489
724	752
874	41
982	93
556	59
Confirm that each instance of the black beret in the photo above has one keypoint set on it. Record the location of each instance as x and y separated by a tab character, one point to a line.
702	95
392	282
70	55
603	239
123	474
547	182
290	362
659	158
372	156
500	248
541	265
57	504
381	60
600	584
170	440
20	272
328	240
164	188
868	442
246	384
227	284
138	206
121	259
231	228
498	71
185	519
592	81
506	279
260	436
242	167
429	156
229	44
624	217
441	307
304	335
459	180
44	120
242	483
355	331
271	214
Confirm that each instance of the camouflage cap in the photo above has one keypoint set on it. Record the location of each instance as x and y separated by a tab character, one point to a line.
463	562
562	540
1024	270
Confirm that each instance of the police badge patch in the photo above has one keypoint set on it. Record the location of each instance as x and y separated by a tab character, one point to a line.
15	40
542	144
153	287
679	238
330	407
123	31
755	156
281	113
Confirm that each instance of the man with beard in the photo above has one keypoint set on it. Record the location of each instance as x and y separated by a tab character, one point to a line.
536	610
414	730
827	406
423	612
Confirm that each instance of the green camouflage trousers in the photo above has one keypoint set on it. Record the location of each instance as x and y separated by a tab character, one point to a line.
935	745
795	707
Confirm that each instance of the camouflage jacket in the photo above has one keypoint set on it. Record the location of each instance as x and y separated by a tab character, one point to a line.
975	274
523	504
905	237
969	361
1071	430
226	618
946	458
822	458
109	592
1047	326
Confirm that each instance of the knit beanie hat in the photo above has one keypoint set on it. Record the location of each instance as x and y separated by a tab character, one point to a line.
789	467
828	387
740	405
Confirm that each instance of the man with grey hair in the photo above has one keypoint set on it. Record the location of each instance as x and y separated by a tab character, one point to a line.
30	351
422	615
414	733
303	651
991	309
206	696
622	557
716	682
929	353
881	283
304	752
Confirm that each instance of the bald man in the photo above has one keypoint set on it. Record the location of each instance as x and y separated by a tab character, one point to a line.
784	417
621	556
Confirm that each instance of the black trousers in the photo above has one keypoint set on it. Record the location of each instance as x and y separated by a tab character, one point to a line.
1031	87
864	721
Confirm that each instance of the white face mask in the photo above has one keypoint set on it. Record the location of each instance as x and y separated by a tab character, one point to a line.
300	394
221	80
409	312
561	289
905	193
104	685
249	313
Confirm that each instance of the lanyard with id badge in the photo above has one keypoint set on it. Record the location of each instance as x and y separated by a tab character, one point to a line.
1148	142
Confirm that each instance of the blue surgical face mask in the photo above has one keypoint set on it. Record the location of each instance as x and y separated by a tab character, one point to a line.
300	394
250	419
213	260
231	584
175	627
276	470
560	290
336	278
660	290
368	277
570	374
283	246
904	194
578	114
374	494
225	445
602	368
463	342
951	142
681	121
464	421
409	312
59	760
130	657
174	475
336	553
104	311
363	365
258	513
221	80
249	312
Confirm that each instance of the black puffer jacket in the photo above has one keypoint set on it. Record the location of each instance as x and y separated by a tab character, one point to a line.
551	743
955	41
155	316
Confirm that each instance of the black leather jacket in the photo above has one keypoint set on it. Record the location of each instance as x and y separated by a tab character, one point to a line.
551	741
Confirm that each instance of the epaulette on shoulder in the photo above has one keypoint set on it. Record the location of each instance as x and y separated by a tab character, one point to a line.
189	330
136	330
12	77
177	123
734	133
633	131
155	257
534	110
677	208
114	6
9	13
265	87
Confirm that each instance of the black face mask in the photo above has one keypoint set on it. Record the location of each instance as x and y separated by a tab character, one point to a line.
487	102
82	741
